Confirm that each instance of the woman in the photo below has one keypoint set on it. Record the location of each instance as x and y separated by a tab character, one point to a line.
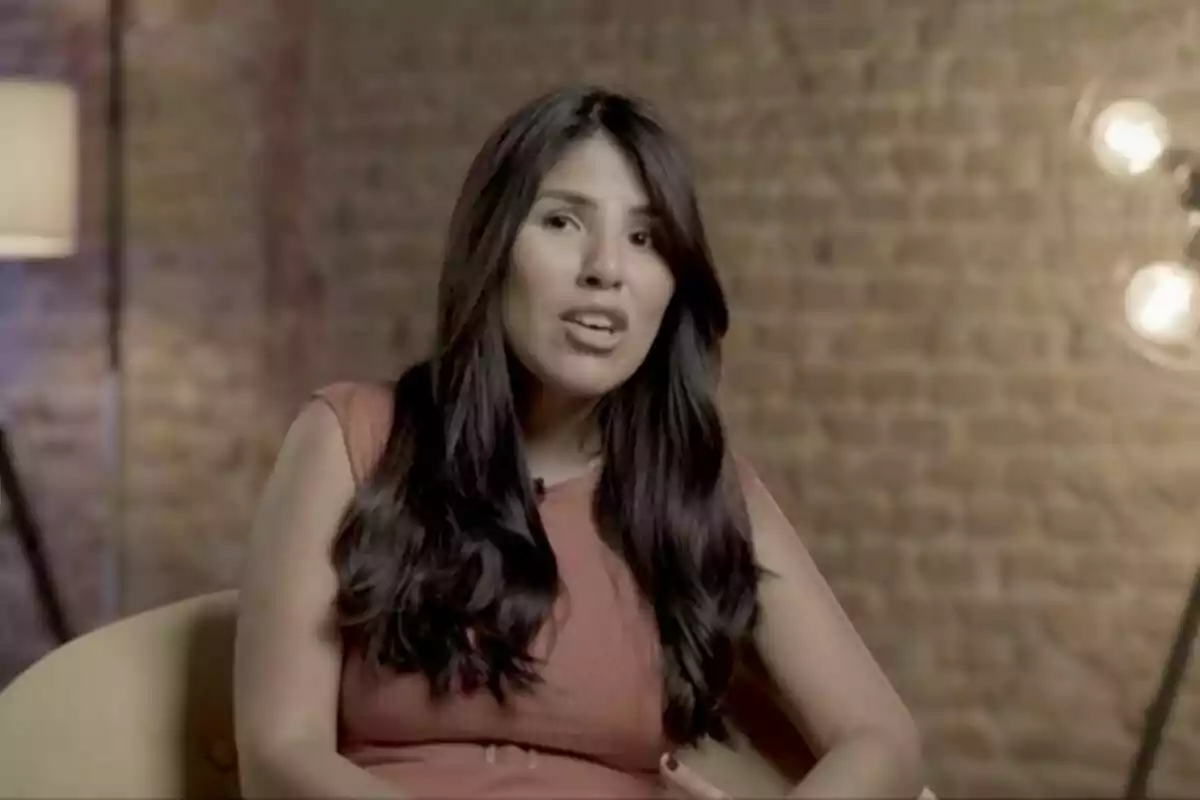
529	568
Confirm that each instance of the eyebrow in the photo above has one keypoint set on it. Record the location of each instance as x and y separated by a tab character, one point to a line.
580	200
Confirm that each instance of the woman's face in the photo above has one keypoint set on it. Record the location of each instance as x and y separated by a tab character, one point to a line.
586	291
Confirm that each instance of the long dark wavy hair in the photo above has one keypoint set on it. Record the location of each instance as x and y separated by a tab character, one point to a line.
443	563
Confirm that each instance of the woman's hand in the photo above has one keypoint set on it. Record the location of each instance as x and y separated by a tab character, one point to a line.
685	783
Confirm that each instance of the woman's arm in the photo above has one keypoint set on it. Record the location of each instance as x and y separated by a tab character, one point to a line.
864	738
288	656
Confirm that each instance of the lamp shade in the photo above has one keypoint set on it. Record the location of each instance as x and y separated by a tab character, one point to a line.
39	169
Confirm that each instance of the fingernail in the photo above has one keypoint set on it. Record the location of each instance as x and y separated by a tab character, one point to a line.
671	763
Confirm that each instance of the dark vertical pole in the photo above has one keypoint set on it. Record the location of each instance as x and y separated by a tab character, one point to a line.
1159	712
115	178
114	302
21	515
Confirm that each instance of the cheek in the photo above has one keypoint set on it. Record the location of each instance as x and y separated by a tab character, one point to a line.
539	266
655	295
529	290
512	315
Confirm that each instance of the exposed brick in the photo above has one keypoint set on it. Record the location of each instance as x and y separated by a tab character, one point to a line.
919	433
893	387
989	513
849	430
825	386
1001	430
952	570
916	515
963	472
953	390
970	734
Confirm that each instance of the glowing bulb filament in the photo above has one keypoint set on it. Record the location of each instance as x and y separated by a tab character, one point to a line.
1160	302
1136	142
1130	137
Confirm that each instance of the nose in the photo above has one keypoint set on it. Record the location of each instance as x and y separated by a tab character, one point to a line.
602	266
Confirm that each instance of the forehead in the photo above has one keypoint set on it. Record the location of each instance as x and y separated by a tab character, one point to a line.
597	168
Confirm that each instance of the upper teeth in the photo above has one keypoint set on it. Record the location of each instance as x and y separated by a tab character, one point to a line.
593	320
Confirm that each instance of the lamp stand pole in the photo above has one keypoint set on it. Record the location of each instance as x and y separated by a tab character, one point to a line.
1159	712
21	515
116	573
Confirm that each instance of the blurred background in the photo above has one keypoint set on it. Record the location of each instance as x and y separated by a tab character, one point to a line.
988	439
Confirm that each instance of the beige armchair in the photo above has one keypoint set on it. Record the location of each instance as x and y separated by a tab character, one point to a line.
142	708
139	708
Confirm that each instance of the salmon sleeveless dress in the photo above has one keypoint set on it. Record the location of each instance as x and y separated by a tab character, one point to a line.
593	727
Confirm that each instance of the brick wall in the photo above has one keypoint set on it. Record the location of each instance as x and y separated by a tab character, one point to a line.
199	434
919	262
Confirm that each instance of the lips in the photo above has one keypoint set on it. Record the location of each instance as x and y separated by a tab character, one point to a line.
595	328
598	318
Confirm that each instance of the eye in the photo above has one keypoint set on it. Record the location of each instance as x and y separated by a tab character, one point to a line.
557	221
641	239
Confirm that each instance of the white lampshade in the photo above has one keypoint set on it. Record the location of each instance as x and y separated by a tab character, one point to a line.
39	169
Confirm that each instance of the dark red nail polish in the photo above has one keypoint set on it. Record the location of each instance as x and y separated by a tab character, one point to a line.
672	764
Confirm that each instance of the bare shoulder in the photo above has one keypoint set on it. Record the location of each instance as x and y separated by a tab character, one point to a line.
356	402
769	524
356	394
316	436
364	413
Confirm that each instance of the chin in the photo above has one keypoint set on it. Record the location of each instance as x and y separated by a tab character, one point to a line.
584	381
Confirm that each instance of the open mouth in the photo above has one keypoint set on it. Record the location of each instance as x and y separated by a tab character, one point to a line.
593	322
601	319
595	331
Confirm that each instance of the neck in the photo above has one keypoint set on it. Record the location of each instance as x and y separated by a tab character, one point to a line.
560	435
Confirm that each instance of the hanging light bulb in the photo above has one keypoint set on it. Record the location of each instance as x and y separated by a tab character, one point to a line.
1130	137
1161	302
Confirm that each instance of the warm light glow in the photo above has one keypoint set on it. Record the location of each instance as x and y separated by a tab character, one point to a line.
39	158
1129	137
1161	302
